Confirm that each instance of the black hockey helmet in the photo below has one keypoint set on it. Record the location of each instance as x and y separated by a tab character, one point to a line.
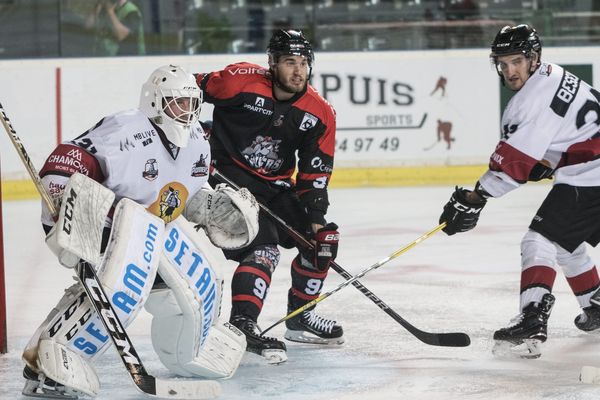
514	40
289	42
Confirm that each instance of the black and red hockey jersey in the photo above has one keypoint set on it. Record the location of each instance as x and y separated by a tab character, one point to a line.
269	138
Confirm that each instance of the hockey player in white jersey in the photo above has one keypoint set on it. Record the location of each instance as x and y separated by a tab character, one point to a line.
153	161
550	128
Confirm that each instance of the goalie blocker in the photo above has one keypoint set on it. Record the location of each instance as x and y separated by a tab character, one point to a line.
64	346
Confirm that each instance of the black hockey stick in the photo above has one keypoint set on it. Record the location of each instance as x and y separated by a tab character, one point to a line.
148	384
452	339
357	276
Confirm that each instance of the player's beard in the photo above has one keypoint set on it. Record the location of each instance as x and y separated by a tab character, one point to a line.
286	87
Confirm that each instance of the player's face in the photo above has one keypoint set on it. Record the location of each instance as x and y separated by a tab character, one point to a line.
515	68
291	73
180	108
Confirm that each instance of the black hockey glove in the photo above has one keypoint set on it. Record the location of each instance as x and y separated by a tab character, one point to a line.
541	170
326	246
460	214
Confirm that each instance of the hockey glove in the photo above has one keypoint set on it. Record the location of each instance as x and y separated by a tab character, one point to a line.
541	170
460	214
326	246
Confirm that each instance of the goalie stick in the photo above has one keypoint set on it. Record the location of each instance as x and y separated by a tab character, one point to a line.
146	383
451	339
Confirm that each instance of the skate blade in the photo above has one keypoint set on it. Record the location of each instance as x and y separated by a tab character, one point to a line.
274	356
528	349
33	389
307	337
590	374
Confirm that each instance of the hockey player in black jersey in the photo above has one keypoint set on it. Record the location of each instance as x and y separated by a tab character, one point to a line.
267	123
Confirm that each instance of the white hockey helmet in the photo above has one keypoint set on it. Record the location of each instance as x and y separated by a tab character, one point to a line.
172	100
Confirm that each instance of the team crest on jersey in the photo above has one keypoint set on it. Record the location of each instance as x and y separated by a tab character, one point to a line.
263	155
150	170
172	199
308	122
260	102
200	167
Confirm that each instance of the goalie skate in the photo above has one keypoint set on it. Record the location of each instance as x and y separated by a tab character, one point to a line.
526	332
271	349
37	385
309	327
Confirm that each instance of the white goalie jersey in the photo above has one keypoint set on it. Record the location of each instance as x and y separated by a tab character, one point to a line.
125	153
552	123
152	182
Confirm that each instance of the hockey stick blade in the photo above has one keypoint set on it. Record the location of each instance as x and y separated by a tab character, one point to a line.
148	384
433	339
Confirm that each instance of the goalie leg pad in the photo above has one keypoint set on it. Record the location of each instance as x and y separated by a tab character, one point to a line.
66	367
221	354
127	272
229	217
185	316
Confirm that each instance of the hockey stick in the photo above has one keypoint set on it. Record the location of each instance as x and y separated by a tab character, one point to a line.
452	339
148	384
357	276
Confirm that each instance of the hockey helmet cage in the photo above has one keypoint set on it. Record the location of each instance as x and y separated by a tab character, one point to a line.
519	39
172	100
289	42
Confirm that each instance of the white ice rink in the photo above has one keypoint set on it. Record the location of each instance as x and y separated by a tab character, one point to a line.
465	283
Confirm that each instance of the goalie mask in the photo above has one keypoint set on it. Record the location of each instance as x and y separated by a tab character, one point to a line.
519	39
172	100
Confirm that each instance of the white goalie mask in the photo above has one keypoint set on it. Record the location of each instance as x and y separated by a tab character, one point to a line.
172	100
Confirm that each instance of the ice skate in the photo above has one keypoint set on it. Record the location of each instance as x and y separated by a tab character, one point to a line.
37	385
589	319
273	350
526	332
308	327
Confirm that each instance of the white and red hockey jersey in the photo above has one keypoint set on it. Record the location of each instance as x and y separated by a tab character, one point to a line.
553	120
126	154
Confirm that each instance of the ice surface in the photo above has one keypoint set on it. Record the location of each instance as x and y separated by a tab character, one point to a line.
464	283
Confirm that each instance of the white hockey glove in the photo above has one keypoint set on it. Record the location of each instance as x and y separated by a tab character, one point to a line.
229	217
78	230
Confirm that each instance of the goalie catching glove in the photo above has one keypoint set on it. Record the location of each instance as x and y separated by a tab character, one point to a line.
460	213
229	217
